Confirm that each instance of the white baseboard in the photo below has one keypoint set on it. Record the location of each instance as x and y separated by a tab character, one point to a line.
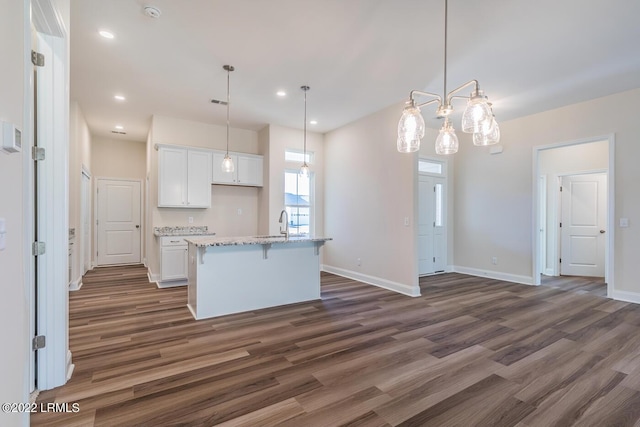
70	365
497	275
76	284
172	284
372	280
625	296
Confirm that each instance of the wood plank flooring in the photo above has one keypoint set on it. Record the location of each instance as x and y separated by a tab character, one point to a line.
469	352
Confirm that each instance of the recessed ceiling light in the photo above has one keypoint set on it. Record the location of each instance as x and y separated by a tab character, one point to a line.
106	34
119	127
281	93
313	122
119	97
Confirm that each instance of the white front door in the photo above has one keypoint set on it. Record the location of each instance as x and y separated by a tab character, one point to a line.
584	202
118	222
431	227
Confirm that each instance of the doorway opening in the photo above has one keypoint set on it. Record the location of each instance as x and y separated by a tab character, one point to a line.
574	202
432	227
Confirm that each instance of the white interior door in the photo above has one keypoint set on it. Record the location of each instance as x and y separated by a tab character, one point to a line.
584	206
118	222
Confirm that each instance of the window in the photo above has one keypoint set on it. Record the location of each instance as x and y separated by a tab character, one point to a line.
430	167
297	202
439	208
297	156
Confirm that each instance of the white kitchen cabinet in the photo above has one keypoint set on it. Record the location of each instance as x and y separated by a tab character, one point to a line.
184	178
173	258
248	170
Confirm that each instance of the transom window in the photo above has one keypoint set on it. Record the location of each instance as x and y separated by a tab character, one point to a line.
297	156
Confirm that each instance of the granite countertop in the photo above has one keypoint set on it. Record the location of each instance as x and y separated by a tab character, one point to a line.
194	230
204	241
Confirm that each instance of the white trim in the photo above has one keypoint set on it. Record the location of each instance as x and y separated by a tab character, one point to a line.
497	275
171	284
153	278
375	281
76	284
610	241
627	296
70	365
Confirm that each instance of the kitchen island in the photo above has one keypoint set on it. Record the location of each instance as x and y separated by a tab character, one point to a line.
237	274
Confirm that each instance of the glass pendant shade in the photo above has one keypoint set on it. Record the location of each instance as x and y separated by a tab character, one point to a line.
410	129
489	137
447	141
304	170
477	116
227	164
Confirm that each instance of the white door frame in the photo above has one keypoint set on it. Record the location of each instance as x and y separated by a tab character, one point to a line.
53	366
609	240
542	231
85	209
95	210
444	176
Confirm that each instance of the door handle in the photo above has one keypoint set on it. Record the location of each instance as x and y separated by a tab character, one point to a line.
137	226
602	231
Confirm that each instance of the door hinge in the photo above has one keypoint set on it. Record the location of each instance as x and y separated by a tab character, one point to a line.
434	259
560	225
561	189
434	223
38	342
434	189
560	260
38	248
37	59
38	153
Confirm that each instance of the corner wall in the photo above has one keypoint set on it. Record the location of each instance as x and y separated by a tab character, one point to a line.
369	190
494	194
14	306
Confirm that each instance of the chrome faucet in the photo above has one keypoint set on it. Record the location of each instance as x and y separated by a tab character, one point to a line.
286	223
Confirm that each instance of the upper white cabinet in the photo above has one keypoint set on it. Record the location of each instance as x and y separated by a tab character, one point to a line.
184	178
248	169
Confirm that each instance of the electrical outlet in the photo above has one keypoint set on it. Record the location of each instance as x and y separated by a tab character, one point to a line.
190	220
494	260
359	261
406	221
239	211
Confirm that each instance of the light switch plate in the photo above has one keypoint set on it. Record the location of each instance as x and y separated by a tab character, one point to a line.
624	222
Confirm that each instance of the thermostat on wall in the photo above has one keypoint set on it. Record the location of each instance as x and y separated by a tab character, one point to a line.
11	138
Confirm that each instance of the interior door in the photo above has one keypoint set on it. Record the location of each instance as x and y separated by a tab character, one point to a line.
583	205
118	222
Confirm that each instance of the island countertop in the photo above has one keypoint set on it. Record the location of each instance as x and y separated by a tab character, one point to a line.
204	241
193	230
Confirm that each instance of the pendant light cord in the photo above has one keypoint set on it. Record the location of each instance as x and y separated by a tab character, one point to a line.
305	127
228	97
446	2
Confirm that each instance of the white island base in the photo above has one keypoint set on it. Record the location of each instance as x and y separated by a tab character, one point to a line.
233	278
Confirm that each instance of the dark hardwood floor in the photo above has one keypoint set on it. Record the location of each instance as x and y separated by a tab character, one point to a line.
469	352
579	284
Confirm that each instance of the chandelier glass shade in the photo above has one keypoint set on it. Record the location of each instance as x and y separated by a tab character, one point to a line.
410	129
477	118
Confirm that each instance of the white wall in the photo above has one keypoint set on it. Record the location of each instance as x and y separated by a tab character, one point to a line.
118	158
275	141
222	218
493	194
369	189
14	321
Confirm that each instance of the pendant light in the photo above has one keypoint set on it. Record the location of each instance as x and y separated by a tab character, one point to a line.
304	169
477	118
227	162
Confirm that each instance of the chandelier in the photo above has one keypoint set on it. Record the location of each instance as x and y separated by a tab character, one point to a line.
478	117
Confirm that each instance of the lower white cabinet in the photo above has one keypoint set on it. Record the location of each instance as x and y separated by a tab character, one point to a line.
173	258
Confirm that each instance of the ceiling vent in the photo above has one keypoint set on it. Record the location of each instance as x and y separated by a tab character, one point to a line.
119	132
152	12
217	101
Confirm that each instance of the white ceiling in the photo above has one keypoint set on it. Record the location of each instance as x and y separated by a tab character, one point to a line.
358	56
